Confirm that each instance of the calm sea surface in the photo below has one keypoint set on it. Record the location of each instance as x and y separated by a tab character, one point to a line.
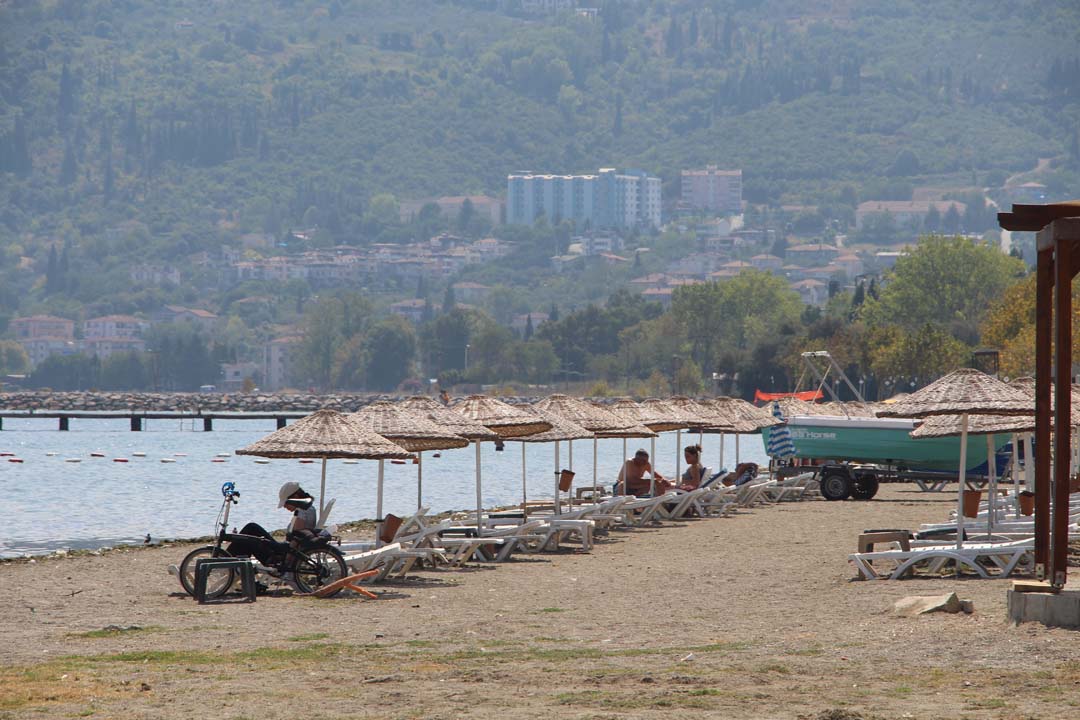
49	504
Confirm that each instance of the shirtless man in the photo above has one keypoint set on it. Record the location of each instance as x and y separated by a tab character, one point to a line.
632	480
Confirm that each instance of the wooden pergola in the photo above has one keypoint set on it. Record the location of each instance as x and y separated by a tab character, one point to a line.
1058	246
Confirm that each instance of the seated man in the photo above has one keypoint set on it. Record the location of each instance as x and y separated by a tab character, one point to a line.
632	480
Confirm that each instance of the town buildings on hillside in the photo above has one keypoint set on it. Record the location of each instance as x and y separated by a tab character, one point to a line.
905	213
608	199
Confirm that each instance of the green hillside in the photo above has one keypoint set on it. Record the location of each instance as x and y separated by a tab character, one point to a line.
134	131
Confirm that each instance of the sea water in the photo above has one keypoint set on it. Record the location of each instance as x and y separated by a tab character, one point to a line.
48	503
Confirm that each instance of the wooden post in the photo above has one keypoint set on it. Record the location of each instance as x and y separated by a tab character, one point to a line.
1062	405
280	423
64	423
1044	308
207	424
136	423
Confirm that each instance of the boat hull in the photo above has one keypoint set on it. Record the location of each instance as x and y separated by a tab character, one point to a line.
883	441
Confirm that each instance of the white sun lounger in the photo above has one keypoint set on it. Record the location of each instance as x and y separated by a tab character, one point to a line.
1005	557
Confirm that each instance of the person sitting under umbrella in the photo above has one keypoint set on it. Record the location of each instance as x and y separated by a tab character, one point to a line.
632	480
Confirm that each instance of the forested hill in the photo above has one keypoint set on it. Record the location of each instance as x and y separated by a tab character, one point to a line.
204	119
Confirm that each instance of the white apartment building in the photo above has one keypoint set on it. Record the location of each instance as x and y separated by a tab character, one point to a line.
713	190
609	199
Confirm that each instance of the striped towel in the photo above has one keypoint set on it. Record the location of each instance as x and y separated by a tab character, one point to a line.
780	444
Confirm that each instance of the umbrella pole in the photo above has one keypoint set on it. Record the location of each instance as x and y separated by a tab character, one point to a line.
322	489
991	468
524	492
479	498
721	466
570	450
378	508
652	475
678	454
1029	461
963	484
595	478
419	480
1016	474
558	493
737	449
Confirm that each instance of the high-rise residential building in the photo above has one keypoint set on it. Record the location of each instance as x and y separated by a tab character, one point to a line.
712	190
608	199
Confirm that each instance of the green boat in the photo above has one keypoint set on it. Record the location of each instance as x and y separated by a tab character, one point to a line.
881	441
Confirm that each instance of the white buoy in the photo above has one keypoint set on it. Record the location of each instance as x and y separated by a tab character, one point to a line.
180	454
50	454
73	460
138	454
262	461
168	460
223	454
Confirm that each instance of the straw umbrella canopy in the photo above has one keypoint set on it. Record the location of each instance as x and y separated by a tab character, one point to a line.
506	421
703	416
448	420
651	416
588	416
741	417
964	392
325	434
561	429
411	429
408	428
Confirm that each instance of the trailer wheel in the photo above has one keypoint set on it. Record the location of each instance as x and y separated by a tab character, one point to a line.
866	487
835	485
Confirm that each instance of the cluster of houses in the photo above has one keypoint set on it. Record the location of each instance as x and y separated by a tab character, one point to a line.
45	335
439	258
808	268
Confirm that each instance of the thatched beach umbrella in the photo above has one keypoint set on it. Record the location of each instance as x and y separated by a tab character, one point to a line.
588	416
654	414
989	425
411	429
449	421
702	416
326	434
743	418
561	429
964	392
505	420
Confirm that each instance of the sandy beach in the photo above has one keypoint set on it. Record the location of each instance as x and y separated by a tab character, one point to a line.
752	616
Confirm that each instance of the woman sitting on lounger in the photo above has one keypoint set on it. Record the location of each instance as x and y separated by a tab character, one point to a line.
696	473
632	480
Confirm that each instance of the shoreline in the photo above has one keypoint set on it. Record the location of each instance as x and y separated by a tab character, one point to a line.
753	615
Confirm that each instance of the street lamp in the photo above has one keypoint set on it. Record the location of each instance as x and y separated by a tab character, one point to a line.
467	346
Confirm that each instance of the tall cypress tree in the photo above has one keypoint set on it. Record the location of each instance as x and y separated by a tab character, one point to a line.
65	105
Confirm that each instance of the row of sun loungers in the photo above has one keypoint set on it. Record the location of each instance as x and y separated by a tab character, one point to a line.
453	542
